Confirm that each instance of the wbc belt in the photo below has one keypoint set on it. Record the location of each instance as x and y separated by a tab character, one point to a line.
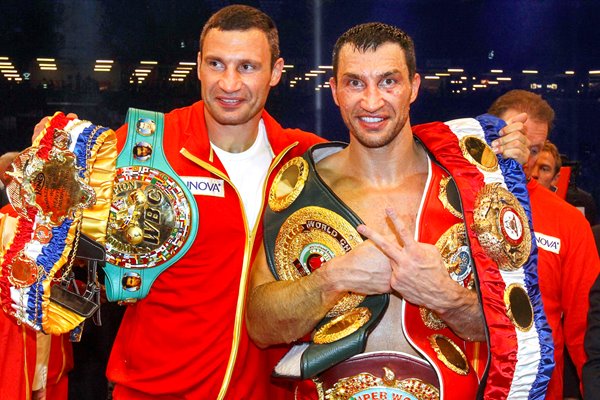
153	216
60	187
305	226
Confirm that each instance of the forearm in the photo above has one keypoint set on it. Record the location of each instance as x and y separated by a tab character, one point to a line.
284	311
461	311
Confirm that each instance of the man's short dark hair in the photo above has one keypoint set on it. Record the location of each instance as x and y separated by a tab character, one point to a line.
242	18
523	101
369	36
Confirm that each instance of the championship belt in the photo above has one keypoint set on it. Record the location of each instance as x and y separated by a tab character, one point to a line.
490	194
379	375
306	224
60	187
153	217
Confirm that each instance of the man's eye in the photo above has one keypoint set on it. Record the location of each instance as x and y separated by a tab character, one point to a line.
247	67
354	83
534	151
215	64
388	82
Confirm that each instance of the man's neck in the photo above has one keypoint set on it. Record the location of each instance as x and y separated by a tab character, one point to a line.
232	138
386	165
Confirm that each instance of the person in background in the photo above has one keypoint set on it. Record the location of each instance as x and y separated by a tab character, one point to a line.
568	262
547	166
576	196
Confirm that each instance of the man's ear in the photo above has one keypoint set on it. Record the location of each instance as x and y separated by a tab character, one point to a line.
415	85
276	72
333	85
555	180
198	64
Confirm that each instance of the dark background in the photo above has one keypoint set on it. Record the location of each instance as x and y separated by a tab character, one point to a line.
550	36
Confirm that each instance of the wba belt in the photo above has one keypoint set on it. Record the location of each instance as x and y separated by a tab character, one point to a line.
153	216
306	225
497	226
60	187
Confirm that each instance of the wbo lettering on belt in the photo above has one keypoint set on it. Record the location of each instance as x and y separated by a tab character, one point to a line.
153	216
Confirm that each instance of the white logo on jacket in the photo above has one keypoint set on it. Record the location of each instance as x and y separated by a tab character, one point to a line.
547	242
205	186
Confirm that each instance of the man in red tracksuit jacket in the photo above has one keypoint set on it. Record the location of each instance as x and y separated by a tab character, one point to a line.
568	263
187	338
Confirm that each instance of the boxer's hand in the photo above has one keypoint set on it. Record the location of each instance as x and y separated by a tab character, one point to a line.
40	126
513	142
418	272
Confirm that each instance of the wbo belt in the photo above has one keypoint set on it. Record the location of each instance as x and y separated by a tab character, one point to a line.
306	224
153	216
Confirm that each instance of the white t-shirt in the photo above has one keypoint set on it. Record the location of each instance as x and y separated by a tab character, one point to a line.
248	171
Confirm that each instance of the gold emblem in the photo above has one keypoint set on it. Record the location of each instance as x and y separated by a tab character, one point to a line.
342	326
455	253
457	259
449	190
54	186
449	353
387	386
431	319
23	271
479	153
288	184
518	307
502	227
42	234
310	237
149	219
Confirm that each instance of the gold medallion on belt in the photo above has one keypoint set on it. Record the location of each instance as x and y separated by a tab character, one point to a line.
502	227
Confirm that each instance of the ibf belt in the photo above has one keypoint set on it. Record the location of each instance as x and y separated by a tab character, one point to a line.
306	224
153	216
60	187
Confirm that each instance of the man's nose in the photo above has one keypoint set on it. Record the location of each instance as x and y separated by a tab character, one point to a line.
230	81
535	172
372	99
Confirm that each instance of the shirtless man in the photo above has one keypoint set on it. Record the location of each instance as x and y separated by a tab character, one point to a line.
382	175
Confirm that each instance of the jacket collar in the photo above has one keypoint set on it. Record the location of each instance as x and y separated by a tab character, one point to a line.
198	142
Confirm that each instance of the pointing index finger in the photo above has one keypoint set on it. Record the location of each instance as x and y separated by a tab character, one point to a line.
403	232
